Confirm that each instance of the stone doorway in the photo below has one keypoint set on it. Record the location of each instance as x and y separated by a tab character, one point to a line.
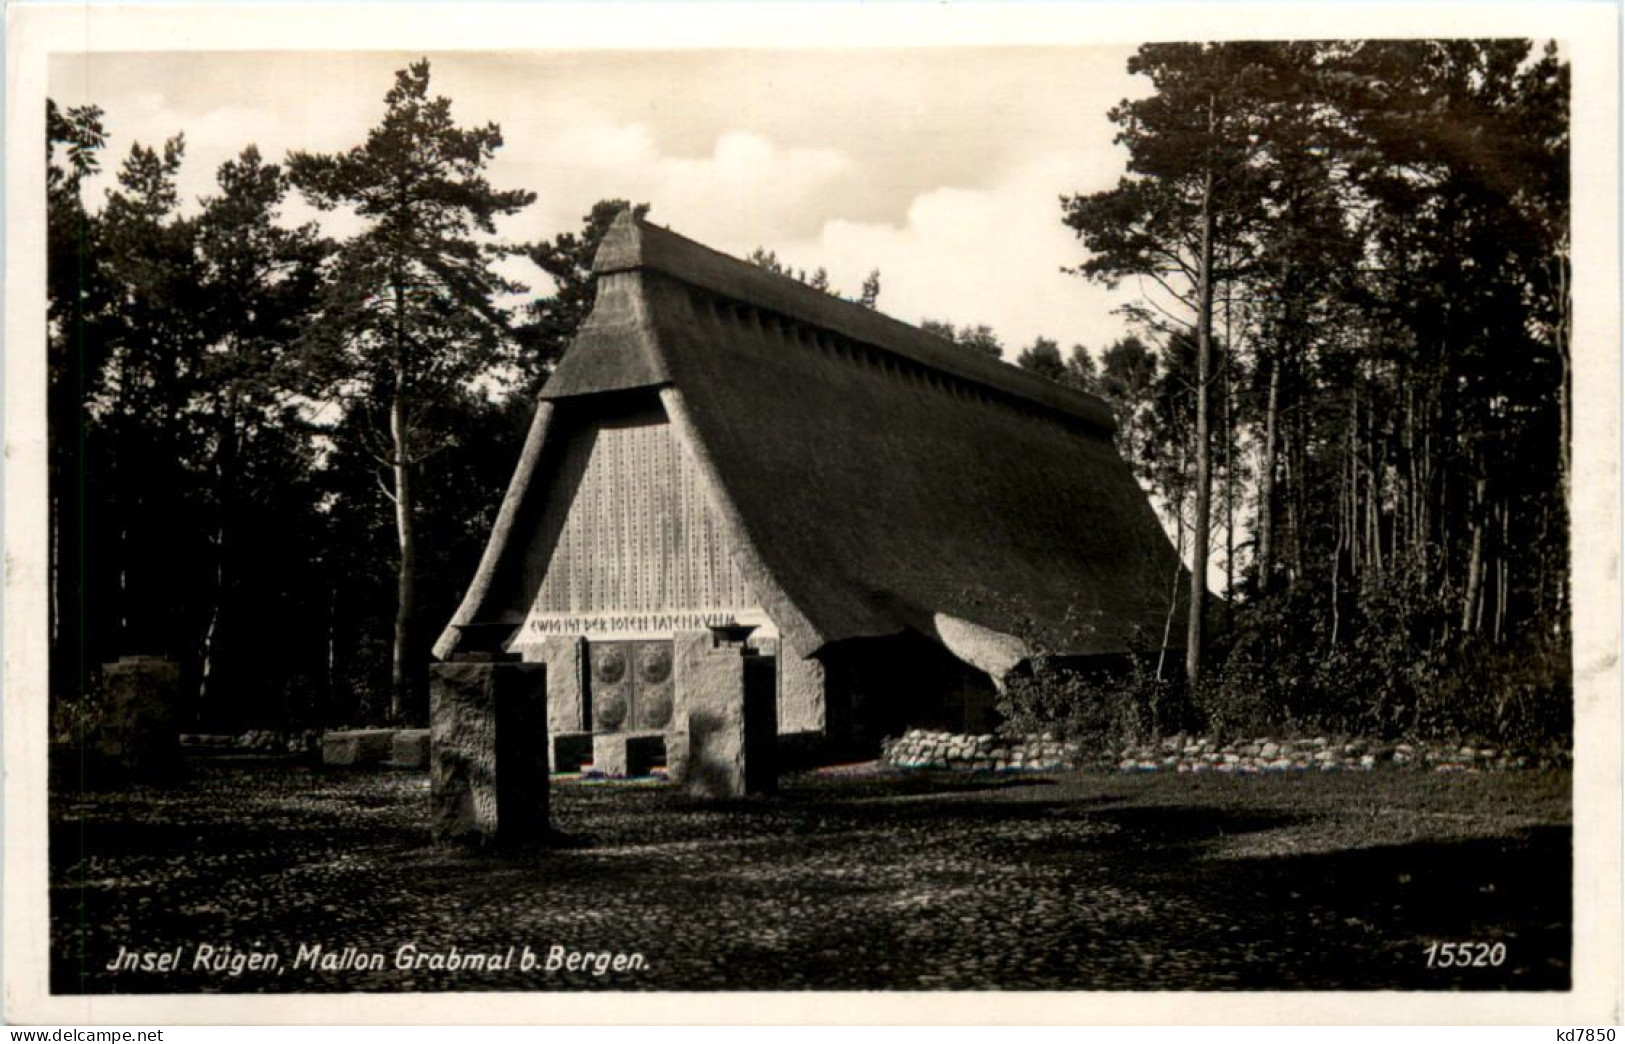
629	686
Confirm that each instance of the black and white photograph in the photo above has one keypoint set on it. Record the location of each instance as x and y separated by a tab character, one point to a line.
902	500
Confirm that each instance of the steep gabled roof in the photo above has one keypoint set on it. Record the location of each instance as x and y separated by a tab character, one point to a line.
632	245
880	478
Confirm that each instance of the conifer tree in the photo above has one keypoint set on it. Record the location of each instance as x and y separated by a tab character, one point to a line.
412	306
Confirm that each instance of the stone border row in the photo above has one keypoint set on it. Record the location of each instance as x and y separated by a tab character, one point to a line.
927	749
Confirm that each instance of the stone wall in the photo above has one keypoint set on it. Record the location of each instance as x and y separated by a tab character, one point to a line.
922	748
1320	753
919	748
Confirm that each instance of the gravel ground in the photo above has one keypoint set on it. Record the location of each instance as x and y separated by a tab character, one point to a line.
856	881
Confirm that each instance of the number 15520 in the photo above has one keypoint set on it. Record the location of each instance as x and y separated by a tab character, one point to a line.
1466	955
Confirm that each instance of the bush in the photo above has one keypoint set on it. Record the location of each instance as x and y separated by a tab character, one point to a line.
1393	668
1099	708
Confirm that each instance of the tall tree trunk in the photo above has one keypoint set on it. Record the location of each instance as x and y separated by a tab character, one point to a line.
400	673
225	472
1352	516
125	641
1173	589
1196	631
1564	419
1376	467
1266	483
1470	604
1229	469
1502	578
400	666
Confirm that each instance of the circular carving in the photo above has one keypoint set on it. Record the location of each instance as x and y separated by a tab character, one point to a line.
610	665
654	663
610	710
655	705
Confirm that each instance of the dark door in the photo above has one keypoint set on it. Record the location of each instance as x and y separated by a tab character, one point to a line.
761	723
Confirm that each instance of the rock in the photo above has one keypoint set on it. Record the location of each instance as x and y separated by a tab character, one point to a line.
1281	763
478	711
357	747
1269	750
137	734
1126	764
410	749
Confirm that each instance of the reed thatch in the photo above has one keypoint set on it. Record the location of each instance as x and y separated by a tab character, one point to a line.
882	479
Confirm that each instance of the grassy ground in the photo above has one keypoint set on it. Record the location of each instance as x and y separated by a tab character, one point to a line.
1071	881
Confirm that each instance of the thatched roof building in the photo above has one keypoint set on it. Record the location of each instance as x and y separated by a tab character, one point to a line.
722	440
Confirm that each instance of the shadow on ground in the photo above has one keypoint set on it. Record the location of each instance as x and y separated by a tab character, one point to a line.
884	882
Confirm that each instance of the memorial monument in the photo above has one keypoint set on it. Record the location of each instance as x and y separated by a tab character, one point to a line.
751	515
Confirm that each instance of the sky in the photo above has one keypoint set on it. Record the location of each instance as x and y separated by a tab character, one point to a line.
942	167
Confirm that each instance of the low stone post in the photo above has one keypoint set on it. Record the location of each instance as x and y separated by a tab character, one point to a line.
139	734
488	752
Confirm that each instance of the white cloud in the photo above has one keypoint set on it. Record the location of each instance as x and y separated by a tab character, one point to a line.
943	171
742	190
982	255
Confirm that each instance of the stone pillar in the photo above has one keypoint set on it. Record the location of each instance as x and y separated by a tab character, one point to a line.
710	712
488	752
566	711
801	694
567	724
139	735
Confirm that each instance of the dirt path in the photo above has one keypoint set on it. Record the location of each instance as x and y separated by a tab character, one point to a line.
1088	881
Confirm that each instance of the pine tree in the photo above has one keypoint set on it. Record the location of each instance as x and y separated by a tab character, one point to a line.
411	310
1179	219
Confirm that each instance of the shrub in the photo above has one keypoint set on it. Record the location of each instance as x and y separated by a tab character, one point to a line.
1101	708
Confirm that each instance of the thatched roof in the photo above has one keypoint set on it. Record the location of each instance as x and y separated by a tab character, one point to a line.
879	477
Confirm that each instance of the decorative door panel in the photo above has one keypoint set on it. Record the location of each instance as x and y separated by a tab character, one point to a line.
653	683
611	683
631	685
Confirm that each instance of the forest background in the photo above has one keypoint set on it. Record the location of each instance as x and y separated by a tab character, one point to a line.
1351	376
